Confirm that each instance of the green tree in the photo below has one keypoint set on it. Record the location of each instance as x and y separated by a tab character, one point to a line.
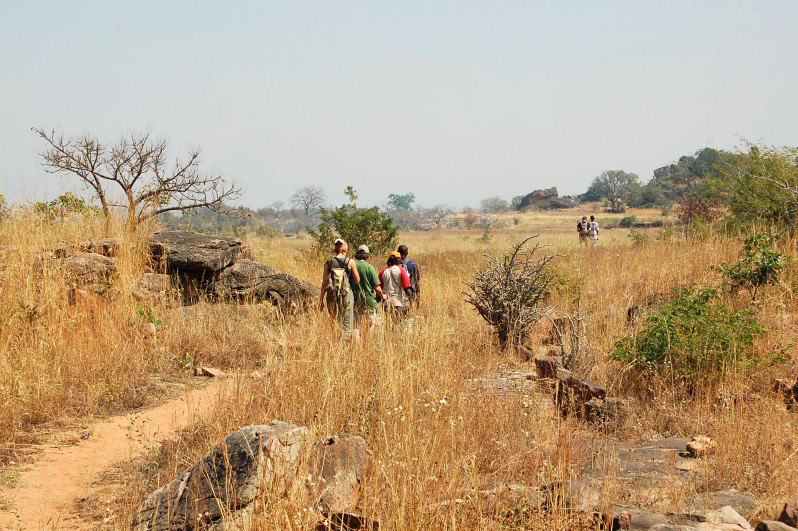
761	186
494	205
401	201
617	187
356	225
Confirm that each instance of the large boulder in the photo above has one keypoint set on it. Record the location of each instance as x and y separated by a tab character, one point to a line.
88	268
248	280
219	490
152	287
339	466
545	199
229	478
789	513
185	251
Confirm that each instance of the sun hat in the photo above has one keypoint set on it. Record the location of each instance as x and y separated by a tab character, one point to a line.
364	249
394	254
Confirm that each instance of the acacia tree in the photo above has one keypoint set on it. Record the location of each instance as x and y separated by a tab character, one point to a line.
617	187
134	174
309	199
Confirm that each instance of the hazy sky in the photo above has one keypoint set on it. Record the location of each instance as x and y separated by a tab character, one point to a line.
454	101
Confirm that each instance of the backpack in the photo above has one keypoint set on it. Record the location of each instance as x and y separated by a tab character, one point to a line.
579	227
338	285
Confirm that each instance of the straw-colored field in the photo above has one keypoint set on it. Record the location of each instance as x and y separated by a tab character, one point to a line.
433	437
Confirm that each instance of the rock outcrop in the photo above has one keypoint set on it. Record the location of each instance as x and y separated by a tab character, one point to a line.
248	280
545	199
181	251
249	464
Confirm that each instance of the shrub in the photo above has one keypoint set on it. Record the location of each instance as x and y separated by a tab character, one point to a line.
357	226
509	292
638	238
64	205
758	266
693	336
627	221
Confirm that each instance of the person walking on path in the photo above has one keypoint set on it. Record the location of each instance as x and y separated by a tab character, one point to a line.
368	292
582	230
413	272
340	274
593	231
396	286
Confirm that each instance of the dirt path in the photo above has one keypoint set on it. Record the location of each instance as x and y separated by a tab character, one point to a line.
48	490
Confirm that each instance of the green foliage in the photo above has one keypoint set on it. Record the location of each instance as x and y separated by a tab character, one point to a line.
147	315
761	185
638	238
692	337
758	265
64	205
617	187
689	177
356	225
401	201
627	221
494	205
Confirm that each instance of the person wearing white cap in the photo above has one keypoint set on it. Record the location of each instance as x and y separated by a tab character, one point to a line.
368	292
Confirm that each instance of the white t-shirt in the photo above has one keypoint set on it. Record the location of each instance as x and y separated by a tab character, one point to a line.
592	230
393	284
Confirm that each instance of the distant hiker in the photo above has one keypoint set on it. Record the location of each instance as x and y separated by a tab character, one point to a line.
368	292
593	231
396	286
340	274
582	230
413	272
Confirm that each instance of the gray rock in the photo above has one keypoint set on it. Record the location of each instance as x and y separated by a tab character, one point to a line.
248	280
151	287
87	268
773	525
789	513
635	519
231	476
715	500
178	251
339	465
727	516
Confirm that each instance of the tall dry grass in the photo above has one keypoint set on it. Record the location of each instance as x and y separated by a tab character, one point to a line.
437	442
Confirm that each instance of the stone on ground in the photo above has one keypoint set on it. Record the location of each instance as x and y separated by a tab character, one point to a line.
339	465
248	280
178	250
789	514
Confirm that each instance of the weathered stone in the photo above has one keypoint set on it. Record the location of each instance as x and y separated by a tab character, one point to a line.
773	525
610	410
339	465
547	366
151	287
701	446
249	462
545	199
210	372
635	519
103	246
715	500
87	268
177	251
247	280
789	513
727	516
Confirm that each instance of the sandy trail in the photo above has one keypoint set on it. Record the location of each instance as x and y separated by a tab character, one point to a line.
48	490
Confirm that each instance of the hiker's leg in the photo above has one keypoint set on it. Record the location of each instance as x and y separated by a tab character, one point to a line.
348	314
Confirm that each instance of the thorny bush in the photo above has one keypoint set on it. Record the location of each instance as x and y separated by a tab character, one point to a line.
509	291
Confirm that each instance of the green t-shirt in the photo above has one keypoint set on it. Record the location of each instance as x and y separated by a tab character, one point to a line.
364	292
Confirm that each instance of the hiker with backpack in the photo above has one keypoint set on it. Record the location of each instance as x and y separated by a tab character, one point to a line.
582	229
396	286
368	292
340	274
412	271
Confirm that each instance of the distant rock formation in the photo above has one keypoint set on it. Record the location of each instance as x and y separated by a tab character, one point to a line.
545	199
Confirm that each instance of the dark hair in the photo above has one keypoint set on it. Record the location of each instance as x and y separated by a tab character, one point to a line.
338	245
392	261
361	255
403	250
592	218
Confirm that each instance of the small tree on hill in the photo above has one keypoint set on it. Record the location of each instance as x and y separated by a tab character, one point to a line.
309	199
134	174
356	225
494	205
401	201
617	187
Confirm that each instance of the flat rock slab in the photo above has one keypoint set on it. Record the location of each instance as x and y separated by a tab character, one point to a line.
248	280
179	250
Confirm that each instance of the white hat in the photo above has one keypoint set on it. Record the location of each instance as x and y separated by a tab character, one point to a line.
364	248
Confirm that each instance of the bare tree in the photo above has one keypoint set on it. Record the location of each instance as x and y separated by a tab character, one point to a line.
436	215
309	199
134	174
509	292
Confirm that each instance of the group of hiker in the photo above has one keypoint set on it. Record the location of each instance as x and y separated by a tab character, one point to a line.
588	231
355	294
